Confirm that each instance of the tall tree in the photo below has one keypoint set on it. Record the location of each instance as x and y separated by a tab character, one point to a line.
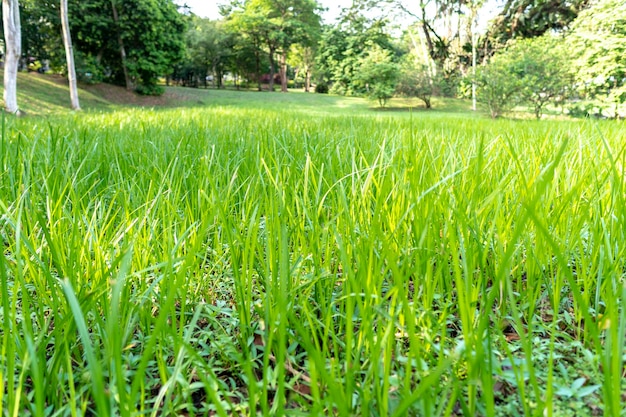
443	31
598	43
120	43
251	26
303	58
439	21
279	24
69	53
210	45
342	48
41	30
378	74
134	41
13	51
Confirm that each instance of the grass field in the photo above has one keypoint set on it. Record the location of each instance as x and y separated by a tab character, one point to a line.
306	255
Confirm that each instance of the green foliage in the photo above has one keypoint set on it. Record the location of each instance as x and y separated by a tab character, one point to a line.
150	89
533	18
321	88
152	32
41	30
498	86
546	72
598	42
88	70
415	81
378	75
278	25
210	50
530	71
341	49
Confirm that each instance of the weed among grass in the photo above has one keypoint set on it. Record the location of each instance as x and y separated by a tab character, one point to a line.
222	262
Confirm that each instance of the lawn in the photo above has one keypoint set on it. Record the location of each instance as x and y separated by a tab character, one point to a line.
254	254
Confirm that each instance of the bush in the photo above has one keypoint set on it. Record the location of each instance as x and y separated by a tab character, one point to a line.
321	88
497	87
150	90
88	70
415	81
378	75
585	110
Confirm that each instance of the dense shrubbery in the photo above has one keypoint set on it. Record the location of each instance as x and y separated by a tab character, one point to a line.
321	88
87	69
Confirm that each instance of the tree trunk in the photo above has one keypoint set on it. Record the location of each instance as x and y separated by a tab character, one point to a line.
69	56
120	41
257	61
272	70
13	50
473	28
283	72
307	79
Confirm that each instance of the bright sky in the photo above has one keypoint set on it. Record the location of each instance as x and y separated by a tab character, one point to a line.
208	8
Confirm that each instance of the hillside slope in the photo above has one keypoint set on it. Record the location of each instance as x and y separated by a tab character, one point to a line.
45	94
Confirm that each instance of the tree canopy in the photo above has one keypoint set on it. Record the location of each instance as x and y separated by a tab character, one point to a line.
598	39
277	25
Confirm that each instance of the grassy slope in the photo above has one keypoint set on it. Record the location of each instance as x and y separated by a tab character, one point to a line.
44	95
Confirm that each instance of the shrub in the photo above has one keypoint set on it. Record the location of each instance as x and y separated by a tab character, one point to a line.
497	87
149	90
321	88
415	81
88	70
378	75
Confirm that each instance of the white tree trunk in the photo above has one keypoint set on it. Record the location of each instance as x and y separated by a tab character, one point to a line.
69	56
473	28
13	51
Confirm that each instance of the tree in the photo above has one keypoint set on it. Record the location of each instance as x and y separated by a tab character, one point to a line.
69	52
120	41
378	74
210	45
415	81
533	18
342	47
279	24
13	51
529	71
41	30
250	20
598	41
132	41
445	31
303	58
495	86
544	70
434	17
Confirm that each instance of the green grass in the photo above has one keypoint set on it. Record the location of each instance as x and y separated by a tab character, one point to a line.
48	95
261	254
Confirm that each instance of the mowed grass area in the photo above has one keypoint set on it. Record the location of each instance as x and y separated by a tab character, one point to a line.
268	257
48	95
